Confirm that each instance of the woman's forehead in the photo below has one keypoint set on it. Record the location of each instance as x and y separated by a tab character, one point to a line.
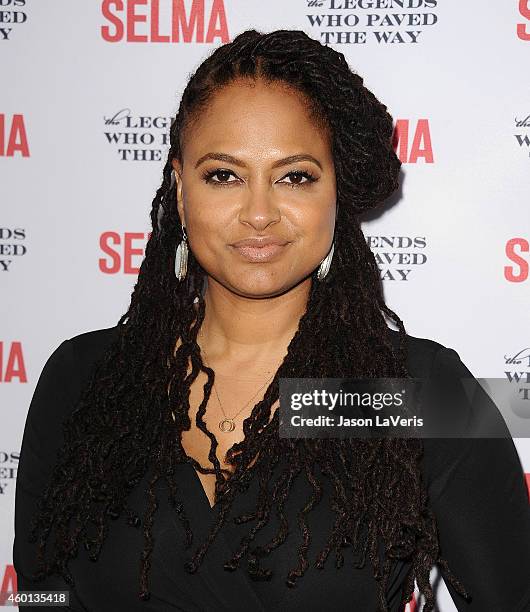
255	120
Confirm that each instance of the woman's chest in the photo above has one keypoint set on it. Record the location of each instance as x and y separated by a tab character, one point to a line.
281	545
217	425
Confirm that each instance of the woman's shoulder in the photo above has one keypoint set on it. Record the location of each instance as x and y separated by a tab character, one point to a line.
453	397
426	356
91	344
68	368
82	350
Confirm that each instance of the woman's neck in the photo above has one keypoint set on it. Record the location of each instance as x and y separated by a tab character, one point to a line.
256	331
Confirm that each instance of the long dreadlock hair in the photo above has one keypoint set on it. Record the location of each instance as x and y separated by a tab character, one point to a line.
123	427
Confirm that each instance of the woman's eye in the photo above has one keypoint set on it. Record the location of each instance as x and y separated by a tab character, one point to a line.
298	176
221	174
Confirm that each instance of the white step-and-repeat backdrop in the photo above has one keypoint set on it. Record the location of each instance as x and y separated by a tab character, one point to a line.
87	91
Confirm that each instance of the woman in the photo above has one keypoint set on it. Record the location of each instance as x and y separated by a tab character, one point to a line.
257	269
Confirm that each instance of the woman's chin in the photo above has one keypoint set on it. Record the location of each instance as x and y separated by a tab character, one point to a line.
256	293
260	286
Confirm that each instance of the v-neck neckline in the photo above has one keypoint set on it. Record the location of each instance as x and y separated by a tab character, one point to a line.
204	515
202	490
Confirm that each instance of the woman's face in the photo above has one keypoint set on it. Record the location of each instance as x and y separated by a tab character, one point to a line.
255	166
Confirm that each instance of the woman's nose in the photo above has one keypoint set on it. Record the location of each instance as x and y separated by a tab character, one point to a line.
259	207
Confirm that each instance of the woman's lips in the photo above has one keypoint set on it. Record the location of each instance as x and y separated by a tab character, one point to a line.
260	253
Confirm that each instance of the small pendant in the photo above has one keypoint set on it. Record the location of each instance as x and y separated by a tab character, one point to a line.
227	425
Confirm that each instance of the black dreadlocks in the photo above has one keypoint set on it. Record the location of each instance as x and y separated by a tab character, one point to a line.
123	425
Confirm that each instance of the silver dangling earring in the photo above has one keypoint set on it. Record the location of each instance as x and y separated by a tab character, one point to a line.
181	257
325	264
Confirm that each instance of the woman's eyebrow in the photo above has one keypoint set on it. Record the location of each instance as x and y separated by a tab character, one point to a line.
237	162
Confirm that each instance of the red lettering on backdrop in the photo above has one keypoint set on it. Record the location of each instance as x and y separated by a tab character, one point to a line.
217	14
17	140
129	251
187	21
114	19
9	584
422	134
524	9
133	18
196	19
120	259
155	24
105	241
412	604
522	272
14	363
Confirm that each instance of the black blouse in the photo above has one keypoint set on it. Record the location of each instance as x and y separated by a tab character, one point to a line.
476	490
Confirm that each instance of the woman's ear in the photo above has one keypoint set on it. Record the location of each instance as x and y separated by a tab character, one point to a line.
178	189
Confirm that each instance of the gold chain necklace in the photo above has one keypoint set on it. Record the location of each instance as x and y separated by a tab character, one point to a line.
227	424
